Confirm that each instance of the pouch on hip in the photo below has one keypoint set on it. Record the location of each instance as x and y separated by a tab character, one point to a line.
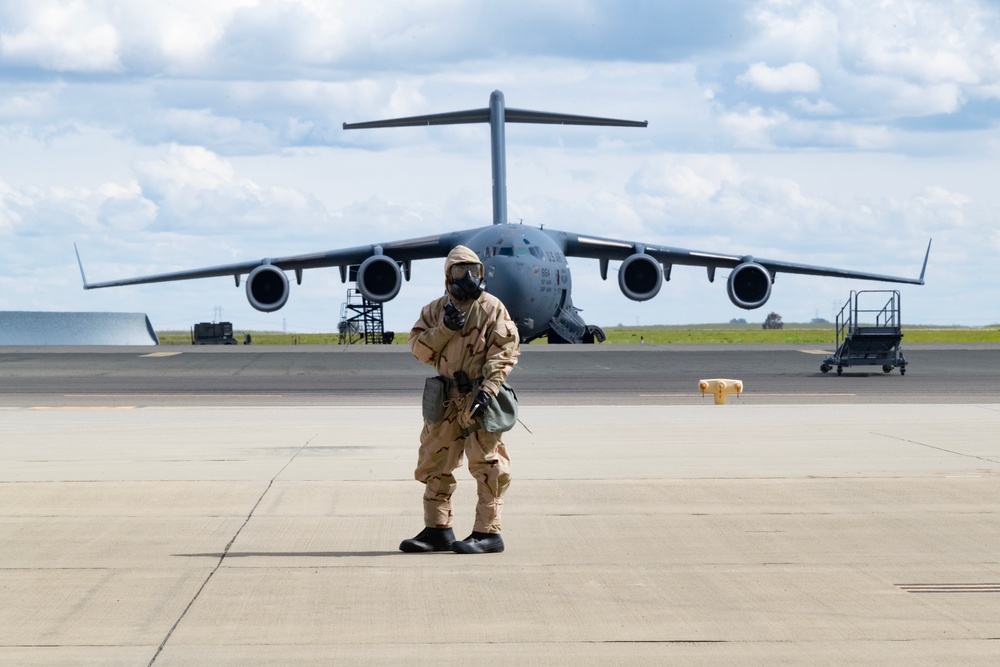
435	394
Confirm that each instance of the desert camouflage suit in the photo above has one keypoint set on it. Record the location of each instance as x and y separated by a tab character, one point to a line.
486	347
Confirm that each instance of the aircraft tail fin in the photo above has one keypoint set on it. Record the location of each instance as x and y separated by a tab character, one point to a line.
497	116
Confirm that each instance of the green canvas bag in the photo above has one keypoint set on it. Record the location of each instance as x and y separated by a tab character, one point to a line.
500	415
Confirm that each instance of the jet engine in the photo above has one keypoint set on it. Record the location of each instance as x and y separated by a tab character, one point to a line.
267	288
749	285
640	277
379	278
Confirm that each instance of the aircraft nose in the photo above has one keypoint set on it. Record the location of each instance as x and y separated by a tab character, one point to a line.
511	282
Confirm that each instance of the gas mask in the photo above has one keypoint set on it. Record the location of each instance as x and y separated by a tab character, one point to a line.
465	281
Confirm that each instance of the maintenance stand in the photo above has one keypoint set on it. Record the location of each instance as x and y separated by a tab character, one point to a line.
361	320
866	343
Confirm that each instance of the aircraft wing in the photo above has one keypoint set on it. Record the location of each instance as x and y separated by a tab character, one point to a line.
402	252
604	249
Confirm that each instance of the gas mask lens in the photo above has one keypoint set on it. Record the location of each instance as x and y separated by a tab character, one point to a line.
474	270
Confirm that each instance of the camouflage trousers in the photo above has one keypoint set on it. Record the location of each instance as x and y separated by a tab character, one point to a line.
443	445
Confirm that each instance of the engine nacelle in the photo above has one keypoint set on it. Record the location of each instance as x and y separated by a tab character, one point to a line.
379	278
267	288
640	277
749	285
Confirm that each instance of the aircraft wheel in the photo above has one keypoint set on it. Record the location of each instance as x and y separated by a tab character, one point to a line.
594	334
825	368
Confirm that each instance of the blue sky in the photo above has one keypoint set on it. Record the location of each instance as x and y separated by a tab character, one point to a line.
165	136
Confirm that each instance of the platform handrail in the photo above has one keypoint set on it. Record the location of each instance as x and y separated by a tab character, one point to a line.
849	319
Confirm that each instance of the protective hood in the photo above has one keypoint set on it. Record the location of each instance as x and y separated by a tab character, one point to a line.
459	255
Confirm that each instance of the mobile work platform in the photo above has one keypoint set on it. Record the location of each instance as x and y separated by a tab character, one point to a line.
868	336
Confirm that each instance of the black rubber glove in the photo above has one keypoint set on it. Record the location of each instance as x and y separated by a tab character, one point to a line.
454	319
479	403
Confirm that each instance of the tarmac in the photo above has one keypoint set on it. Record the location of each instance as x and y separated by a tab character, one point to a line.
244	507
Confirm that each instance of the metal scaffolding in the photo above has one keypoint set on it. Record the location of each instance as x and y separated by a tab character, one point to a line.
361	321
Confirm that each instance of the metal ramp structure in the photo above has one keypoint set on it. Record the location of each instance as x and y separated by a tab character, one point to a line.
868	336
30	328
361	321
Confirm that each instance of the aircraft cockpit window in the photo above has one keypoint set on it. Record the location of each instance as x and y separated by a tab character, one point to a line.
519	251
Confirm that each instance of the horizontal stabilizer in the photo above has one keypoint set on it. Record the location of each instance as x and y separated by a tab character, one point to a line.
546	118
483	116
449	118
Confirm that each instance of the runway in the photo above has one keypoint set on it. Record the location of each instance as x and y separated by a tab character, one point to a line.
236	506
619	374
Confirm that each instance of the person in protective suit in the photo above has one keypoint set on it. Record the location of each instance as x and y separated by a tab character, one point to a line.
467	336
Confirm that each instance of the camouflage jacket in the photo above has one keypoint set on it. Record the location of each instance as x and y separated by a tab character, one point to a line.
486	347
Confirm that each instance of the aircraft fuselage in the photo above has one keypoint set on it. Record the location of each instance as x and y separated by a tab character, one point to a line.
527	270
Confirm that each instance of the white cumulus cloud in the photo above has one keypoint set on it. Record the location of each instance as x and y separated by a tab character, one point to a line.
172	135
62	36
793	77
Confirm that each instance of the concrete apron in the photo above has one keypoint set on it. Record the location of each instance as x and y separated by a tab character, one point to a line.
704	534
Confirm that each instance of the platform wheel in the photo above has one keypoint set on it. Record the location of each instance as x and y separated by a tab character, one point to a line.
840	370
824	368
887	369
902	370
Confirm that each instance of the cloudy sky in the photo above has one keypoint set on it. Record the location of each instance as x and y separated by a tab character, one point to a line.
165	136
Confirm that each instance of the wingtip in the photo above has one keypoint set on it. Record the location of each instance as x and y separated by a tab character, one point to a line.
927	255
79	262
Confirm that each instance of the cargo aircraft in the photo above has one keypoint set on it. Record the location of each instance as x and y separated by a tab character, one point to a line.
526	266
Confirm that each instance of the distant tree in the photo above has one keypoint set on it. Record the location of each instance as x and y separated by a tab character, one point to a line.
820	320
773	321
738	320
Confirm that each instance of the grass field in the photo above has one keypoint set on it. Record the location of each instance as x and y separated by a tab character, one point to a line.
795	334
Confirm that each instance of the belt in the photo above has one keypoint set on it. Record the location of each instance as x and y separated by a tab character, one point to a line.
460	383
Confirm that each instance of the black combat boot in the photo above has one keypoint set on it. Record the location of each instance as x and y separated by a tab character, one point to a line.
479	543
429	539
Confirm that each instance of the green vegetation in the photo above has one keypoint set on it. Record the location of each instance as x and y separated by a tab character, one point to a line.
791	334
681	335
262	338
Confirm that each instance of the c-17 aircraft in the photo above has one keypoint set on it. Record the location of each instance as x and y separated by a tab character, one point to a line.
526	266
